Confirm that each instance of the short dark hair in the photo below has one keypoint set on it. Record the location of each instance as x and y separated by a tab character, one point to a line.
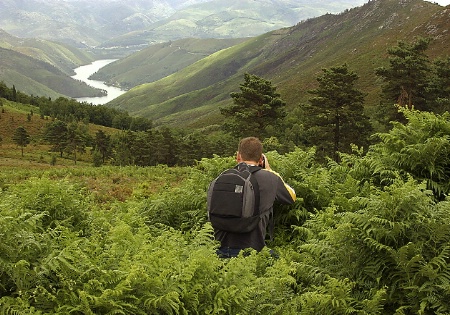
250	149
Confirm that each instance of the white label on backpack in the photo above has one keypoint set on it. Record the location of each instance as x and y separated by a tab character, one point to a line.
239	189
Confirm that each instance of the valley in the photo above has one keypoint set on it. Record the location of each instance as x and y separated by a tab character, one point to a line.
184	82
83	74
103	200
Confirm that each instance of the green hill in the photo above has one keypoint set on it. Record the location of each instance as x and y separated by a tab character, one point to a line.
291	58
160	60
40	78
41	67
63	57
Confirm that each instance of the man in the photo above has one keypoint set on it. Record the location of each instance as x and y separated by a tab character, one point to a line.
271	187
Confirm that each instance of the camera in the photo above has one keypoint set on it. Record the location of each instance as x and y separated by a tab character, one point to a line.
263	162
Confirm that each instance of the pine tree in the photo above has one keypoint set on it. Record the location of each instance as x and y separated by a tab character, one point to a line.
103	144
405	80
21	137
439	88
255	107
56	134
123	144
14	94
335	116
77	135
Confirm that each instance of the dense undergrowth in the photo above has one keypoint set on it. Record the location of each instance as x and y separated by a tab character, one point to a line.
368	235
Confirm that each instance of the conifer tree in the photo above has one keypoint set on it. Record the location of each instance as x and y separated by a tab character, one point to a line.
405	79
103	144
56	134
77	138
21	137
255	107
123	144
335	116
14	94
439	88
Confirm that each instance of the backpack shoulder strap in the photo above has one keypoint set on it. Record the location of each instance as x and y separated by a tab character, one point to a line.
271	223
254	169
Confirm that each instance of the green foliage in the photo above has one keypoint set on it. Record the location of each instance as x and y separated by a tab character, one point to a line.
181	207
412	80
255	108
55	133
77	138
398	241
122	265
420	148
21	137
335	117
406	77
102	145
167	146
439	85
366	236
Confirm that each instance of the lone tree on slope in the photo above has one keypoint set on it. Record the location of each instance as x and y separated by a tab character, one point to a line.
21	137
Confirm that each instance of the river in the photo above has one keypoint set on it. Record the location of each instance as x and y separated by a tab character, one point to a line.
84	72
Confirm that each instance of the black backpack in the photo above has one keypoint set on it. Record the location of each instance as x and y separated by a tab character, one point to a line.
233	200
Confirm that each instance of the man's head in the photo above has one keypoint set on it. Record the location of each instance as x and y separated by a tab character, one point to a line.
250	150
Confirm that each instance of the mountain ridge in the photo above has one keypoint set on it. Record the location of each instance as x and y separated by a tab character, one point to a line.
230	19
85	25
42	68
61	56
159	60
107	24
359	36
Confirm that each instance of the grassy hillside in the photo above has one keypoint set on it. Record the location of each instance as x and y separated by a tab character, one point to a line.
40	78
61	56
160	60
36	154
291	58
41	67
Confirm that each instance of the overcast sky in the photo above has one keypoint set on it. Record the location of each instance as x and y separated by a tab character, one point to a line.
441	2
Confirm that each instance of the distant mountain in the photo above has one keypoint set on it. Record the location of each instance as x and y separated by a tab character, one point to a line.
42	68
68	33
81	22
110	23
291	58
159	60
231	19
39	78
61	56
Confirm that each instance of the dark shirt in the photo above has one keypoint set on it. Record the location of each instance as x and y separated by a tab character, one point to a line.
272	188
